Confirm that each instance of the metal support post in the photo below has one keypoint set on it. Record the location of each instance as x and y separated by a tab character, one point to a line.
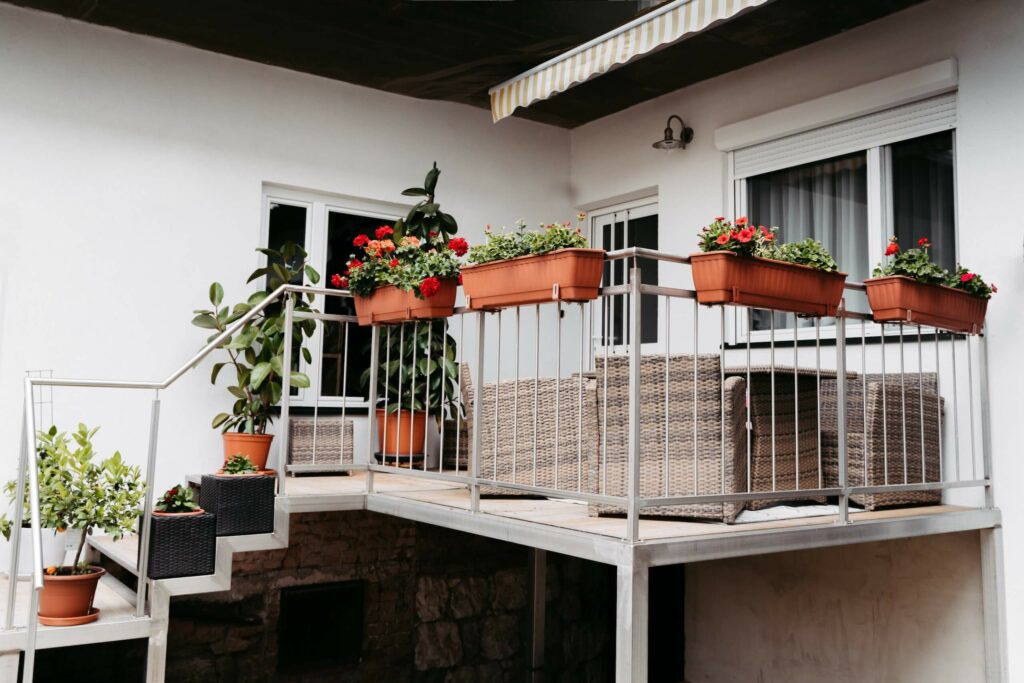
993	591
478	414
538	576
631	613
844	497
371	413
633	505
147	508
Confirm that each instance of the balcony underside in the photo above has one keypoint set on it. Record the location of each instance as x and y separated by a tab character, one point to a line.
566	527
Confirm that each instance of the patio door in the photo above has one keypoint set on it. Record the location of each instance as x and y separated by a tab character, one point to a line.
619	227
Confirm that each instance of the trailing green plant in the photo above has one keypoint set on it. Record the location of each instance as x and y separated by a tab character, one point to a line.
507	245
809	252
428	348
742	238
77	492
915	263
176	500
426	219
239	464
256	351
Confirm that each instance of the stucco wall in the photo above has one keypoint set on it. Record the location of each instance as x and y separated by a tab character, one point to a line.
907	611
613	156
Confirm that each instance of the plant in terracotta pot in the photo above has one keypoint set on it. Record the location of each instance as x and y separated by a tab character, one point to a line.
417	380
240	496
408	271
256	352
741	263
53	538
83	495
910	287
183	540
529	267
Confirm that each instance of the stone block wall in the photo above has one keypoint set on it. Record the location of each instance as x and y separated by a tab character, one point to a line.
440	606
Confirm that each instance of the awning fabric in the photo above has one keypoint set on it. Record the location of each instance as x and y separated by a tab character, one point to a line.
666	25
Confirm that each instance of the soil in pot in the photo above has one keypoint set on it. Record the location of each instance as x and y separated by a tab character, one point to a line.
401	433
533	279
66	599
256	447
897	298
722	277
389	304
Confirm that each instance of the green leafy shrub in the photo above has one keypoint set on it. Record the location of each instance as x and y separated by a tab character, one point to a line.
915	263
426	218
256	352
177	499
239	464
810	253
434	352
507	245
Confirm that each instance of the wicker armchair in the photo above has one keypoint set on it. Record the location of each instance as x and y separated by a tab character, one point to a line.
882	460
509	449
674	471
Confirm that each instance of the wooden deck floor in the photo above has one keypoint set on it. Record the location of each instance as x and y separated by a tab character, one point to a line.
565	514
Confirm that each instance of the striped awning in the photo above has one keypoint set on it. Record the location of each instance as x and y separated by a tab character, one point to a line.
662	27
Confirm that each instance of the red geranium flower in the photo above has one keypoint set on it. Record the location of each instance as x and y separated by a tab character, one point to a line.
394	263
459	245
719	219
355	263
966	277
429	287
361	240
892	248
384	231
723	238
923	242
336	280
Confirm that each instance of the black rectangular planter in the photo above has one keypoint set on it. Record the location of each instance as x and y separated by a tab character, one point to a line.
182	545
242	504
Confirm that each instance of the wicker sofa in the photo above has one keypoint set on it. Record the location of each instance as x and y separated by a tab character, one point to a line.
880	460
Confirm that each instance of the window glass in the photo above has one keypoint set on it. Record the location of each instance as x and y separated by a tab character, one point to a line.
287	223
922	194
825	200
621	234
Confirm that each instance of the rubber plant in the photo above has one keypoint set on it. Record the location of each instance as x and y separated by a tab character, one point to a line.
255	353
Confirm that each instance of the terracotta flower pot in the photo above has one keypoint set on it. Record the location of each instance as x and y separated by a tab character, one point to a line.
67	600
404	433
562	275
897	298
389	304
722	277
256	447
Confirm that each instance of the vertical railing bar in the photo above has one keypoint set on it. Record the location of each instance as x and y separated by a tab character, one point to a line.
558	386
844	497
412	392
749	424
462	405
372	398
316	397
145	532
796	403
344	394
444	391
903	403
579	416
606	306
635	358
426	398
515	408
497	398
398	411
387	400
986	418
817	386
536	385
478	390
668	344
885	413
696	355
938	405
920	400
970	404
956	408
864	400
286	394
772	379
19	517
721	396
31	463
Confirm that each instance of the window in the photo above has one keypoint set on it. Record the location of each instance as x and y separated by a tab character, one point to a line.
851	185
621	227
325	226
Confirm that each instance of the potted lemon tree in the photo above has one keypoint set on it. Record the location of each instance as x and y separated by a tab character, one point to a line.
81	495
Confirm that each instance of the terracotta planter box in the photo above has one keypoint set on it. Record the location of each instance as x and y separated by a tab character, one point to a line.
722	277
533	279
256	447
390	304
897	298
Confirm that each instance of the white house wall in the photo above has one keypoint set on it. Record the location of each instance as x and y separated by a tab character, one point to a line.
613	156
131	177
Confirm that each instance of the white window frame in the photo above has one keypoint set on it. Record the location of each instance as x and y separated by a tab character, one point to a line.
598	218
817	121
318	206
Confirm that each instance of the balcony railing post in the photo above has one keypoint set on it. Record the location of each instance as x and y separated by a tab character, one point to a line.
478	413
844	497
371	411
18	512
145	526
986	417
286	392
633	502
31	464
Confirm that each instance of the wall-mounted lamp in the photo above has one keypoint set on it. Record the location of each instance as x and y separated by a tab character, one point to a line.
670	142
